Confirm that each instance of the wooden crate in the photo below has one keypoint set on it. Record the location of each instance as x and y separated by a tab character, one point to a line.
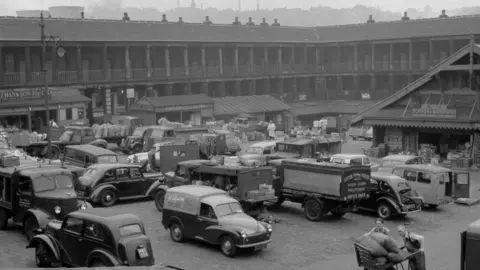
9	162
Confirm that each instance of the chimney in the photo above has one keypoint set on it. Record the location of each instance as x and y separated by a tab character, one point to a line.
82	15
236	22
264	22
164	18
405	17
207	20
444	14
275	22
180	20
250	22
125	17
370	19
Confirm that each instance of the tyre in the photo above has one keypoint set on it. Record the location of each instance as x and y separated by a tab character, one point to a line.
108	198
136	149
99	262
354	138
29	227
384	211
3	219
280	200
313	209
227	246
338	213
176	233
43	256
159	199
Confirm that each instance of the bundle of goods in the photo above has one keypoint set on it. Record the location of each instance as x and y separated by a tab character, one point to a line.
109	130
66	136
5	140
427	152
458	159
256	136
382	248
9	159
166	123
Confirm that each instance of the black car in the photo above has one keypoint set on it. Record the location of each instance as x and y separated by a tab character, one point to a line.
390	196
93	238
107	183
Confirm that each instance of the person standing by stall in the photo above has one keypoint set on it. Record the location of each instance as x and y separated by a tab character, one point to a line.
413	243
271	130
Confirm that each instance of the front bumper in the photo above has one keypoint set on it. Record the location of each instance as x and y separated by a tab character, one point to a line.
255	244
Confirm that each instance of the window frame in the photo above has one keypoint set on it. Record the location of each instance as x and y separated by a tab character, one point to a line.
65	229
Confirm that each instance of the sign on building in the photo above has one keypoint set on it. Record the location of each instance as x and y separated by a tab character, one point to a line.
434	111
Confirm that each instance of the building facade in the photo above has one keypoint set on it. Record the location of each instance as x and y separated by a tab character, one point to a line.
108	59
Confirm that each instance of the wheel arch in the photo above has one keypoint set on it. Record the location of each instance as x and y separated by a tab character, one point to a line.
44	239
41	217
100	254
96	192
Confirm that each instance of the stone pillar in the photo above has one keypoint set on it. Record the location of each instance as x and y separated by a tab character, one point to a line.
391	83
451	46
114	100
167	62
391	51
266	90
187	90
28	65
373	56
355	57
236	61
281	87
220	60
79	63
292	59
53	57
356	86
279	59
265	56
305	55
237	91
205	86
107	101
430	53
186	62
410	56
339	58
253	87
149	61
251	59
221	89
294	89
204	61
373	86
169	89
104	63
128	66
340	84
149	91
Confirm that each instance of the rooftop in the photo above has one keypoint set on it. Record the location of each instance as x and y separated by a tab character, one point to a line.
248	104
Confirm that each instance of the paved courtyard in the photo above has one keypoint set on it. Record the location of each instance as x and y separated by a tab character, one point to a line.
298	243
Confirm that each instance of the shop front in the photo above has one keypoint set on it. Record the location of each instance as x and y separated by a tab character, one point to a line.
25	108
189	109
436	117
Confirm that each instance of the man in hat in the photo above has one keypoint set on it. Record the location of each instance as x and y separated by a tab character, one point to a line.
379	227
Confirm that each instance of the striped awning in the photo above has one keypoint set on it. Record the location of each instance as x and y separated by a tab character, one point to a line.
424	124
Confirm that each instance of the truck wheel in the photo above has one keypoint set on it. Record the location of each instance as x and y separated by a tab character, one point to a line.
384	211
176	232
29	226
227	246
42	256
313	209
159	199
3	219
100	262
108	198
338	213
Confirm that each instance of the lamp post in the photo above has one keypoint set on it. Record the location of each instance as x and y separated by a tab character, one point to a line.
46	41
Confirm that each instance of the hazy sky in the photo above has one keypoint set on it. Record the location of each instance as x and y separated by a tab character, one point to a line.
393	5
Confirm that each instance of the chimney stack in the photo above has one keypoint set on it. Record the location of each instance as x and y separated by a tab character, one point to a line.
125	17
250	22
82	15
180	20
444	14
275	22
164	18
370	19
236	22
405	17
207	20
264	22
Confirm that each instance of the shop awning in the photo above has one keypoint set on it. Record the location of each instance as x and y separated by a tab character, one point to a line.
331	107
173	103
54	100
422	124
248	104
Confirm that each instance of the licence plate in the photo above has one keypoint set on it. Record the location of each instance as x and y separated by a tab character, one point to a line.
260	247
410	206
142	253
80	193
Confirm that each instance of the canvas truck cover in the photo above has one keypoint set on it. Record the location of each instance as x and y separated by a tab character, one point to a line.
341	181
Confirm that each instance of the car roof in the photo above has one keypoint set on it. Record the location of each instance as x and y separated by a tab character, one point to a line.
160	127
193	162
108	166
106	216
263	144
91	149
217	199
399	157
33	168
196	190
297	141
229	169
349	156
77	127
424	167
387	177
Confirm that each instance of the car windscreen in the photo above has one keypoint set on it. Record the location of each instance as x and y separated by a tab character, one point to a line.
107	159
51	182
391	163
130	230
139	131
254	150
158	133
228	209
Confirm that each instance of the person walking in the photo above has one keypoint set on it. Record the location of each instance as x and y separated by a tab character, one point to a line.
413	243
271	130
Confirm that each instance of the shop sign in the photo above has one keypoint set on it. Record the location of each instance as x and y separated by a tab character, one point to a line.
186	107
436	111
143	105
130	93
21	94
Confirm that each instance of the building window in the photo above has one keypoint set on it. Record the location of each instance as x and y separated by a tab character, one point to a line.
81	113
68	114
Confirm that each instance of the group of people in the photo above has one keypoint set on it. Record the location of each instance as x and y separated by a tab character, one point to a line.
413	243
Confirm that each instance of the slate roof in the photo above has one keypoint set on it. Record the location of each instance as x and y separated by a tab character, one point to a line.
183	100
54	100
377	110
248	104
18	29
434	27
331	107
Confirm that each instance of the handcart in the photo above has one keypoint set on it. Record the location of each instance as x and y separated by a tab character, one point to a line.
365	260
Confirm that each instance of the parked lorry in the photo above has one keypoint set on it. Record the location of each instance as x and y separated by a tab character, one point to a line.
156	134
322	187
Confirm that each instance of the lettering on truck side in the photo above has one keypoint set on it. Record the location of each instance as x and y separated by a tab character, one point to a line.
356	185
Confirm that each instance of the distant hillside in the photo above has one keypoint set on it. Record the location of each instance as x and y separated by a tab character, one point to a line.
318	16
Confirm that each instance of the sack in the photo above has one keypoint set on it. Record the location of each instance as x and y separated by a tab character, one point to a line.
380	261
412	245
396	257
386	242
376	250
66	136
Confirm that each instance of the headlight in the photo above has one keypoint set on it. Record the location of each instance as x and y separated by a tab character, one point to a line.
83	206
269	228
57	210
243	234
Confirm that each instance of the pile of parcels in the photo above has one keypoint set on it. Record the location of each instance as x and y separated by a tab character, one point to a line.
106	130
19	137
382	248
458	159
427	152
164	122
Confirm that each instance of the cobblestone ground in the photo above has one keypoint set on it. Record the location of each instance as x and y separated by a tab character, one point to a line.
298	243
